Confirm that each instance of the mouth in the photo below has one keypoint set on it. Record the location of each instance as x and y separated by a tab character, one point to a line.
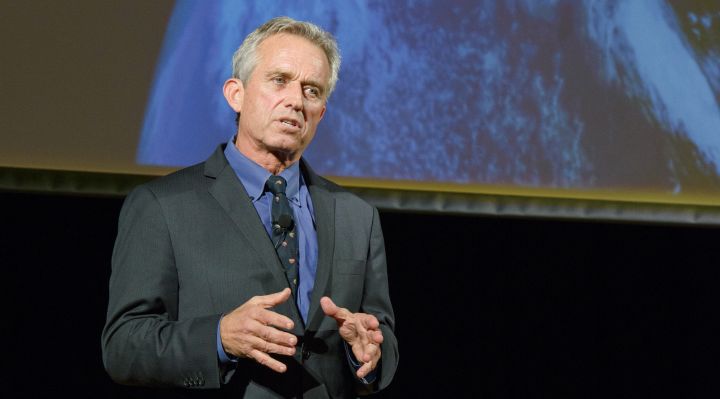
291	123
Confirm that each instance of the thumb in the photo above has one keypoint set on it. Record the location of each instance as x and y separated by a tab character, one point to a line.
268	301
328	306
332	310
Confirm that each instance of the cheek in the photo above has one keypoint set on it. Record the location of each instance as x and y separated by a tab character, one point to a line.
263	105
315	113
309	134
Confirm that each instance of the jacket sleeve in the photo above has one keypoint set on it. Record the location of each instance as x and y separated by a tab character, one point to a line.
376	301
143	341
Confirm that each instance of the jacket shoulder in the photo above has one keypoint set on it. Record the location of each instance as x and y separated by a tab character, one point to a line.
190	178
340	193
182	180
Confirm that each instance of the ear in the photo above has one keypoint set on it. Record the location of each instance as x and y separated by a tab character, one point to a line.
234	92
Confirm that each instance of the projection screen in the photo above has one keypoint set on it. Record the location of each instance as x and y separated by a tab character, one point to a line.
599	109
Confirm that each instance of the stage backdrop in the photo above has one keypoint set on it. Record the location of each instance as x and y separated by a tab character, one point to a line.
589	100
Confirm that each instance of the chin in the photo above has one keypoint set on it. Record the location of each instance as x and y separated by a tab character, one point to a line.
285	147
286	142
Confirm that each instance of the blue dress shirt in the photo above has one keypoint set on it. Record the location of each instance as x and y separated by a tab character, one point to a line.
253	178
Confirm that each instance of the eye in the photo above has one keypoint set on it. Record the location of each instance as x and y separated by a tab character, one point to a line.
312	92
279	80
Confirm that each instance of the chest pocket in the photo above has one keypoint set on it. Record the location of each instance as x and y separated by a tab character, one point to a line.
348	280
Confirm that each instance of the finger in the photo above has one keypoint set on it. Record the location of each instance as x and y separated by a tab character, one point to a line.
242	345
270	318
359	353
371	361
366	352
267	361
255	322
365	356
371	350
377	337
271	334
278	337
268	301
365	336
368	321
365	369
269	347
353	331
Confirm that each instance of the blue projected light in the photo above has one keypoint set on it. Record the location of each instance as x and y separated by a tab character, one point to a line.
551	94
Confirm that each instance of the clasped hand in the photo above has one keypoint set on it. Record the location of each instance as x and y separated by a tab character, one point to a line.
254	331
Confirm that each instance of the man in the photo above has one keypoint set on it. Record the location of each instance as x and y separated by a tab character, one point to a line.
249	274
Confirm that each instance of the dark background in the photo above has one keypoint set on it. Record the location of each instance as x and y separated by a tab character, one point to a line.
486	307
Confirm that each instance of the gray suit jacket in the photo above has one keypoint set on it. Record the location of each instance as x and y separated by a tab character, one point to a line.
191	247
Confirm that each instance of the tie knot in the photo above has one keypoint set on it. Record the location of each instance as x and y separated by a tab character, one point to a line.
276	184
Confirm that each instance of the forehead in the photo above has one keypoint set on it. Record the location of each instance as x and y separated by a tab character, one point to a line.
294	54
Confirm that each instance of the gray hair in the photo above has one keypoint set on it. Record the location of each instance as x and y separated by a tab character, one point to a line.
246	58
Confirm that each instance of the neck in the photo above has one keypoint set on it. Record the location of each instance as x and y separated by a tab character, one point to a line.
273	161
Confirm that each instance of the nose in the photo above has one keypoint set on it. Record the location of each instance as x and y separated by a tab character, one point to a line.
294	96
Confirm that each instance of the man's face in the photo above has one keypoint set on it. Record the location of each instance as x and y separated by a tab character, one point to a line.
284	99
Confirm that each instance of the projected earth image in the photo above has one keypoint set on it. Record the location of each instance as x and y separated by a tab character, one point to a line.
553	94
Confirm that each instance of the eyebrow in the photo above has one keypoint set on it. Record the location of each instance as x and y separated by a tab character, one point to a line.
288	75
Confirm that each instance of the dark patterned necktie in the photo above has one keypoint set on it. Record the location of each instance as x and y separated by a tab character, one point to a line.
284	231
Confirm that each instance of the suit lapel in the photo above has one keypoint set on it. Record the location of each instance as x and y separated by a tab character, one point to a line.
232	197
324	207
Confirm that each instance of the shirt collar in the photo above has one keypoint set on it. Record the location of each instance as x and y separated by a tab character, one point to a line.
254	176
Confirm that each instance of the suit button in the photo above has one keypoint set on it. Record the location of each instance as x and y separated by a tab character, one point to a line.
305	353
